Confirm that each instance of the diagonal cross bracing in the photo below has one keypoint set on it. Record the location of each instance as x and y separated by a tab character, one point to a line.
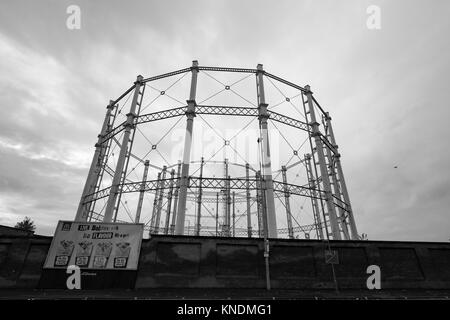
208	110
208	183
160	115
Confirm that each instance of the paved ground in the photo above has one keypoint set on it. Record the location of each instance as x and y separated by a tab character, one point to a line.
212	294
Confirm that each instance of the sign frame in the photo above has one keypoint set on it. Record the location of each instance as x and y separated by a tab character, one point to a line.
90	252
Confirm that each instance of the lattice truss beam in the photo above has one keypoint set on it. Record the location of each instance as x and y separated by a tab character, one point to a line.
209	110
207	183
325	187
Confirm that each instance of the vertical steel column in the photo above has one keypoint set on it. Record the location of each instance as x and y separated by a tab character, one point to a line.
249	218
104	155
353	229
287	203
94	170
217	213
335	184
155	203
199	199
127	156
228	207
190	113
169	202
266	164
141	192
175	202
266	240
259	204
160	200
234	214
111	204
315	205
323	168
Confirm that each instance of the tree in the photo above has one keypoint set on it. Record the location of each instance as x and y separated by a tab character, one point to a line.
26	224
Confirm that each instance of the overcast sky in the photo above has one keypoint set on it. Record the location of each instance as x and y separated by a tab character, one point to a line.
387	91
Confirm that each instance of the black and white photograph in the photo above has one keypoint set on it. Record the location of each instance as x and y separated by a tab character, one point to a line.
225	159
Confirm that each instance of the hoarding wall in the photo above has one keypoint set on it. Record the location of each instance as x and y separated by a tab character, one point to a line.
201	262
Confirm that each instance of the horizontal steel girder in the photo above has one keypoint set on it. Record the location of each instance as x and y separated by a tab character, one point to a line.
224	69
165	75
209	230
209	183
160	115
218	69
208	110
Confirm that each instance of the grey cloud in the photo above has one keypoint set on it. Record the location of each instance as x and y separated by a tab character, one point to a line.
386	91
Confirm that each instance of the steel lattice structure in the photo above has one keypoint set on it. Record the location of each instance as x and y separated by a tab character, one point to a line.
176	185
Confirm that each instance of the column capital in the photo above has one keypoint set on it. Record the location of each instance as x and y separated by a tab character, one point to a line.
259	68
110	105
139	79
308	89
194	65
